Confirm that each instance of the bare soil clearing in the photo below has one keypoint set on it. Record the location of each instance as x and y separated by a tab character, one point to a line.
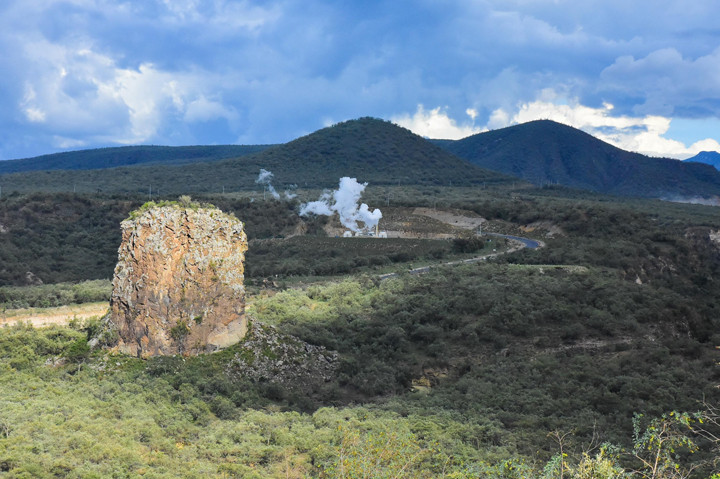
459	219
62	315
427	223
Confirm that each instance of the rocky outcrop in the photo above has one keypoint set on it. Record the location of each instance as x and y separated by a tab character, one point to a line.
270	356
178	284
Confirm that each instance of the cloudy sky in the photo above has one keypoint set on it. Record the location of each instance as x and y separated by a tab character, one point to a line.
641	74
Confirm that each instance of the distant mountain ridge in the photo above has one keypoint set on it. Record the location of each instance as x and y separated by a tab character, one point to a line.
101	158
372	150
546	152
707	157
380	152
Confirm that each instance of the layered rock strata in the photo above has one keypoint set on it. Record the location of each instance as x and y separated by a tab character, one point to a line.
178	285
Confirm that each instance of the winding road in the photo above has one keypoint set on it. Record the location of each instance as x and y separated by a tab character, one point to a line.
520	244
62	315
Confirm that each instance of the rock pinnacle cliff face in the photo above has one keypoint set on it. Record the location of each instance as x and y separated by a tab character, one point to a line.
178	285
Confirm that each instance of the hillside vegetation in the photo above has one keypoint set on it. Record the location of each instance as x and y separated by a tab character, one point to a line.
376	151
707	157
59	238
461	373
102	158
546	152
56	238
576	360
371	150
382	153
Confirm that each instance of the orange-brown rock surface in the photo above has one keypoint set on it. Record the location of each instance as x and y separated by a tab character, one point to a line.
178	285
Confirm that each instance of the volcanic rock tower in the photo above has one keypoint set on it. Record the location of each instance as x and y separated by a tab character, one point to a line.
178	284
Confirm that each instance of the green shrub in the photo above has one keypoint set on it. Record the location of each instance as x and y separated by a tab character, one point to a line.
78	351
180	330
223	407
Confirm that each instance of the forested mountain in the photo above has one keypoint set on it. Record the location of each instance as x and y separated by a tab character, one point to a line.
102	158
542	152
371	150
707	157
546	152
377	151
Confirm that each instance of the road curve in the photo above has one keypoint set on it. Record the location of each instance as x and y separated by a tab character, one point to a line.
521	243
529	243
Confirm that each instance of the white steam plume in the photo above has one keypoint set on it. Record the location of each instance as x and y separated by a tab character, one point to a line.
290	192
264	178
694	200
344	202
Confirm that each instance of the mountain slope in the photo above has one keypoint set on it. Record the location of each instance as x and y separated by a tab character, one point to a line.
371	150
376	151
544	152
101	158
707	157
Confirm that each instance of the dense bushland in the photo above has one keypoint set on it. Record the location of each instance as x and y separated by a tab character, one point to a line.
483	370
58	294
536	349
59	238
652	240
317	256
69	412
69	238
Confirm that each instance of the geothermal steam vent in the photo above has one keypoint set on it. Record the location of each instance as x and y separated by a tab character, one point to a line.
178	285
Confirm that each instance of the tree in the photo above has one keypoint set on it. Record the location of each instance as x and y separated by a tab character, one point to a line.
657	448
383	454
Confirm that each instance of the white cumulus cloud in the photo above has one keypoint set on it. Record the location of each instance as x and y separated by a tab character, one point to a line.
186	71
78	92
668	80
643	134
222	15
203	109
436	123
